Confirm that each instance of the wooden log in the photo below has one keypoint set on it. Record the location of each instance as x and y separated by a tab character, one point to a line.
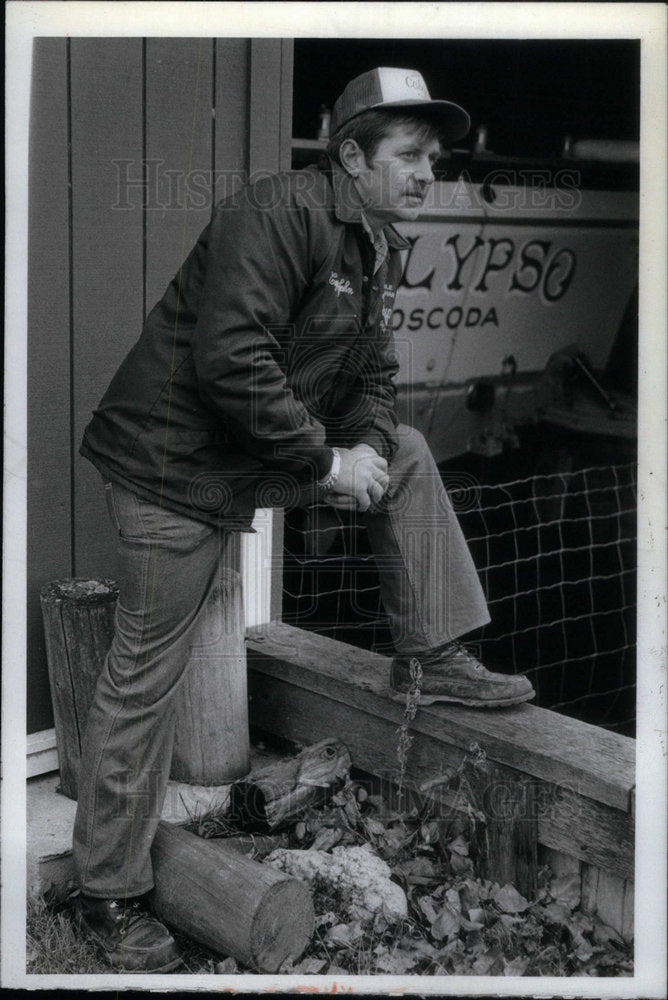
78	618
280	791
227	902
211	745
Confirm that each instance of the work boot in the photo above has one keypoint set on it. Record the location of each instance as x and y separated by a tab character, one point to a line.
451	673
133	940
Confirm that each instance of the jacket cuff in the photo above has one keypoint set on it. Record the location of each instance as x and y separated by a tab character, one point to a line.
323	461
377	441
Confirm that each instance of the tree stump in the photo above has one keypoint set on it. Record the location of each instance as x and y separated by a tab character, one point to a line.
227	902
78	620
211	745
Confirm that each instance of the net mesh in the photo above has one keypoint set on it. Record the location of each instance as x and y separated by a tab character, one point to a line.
556	555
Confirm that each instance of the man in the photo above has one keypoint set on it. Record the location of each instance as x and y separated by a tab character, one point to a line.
264	376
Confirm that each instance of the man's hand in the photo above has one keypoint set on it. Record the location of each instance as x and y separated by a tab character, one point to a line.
363	479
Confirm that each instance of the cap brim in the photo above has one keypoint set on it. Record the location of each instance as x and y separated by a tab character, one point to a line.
452	121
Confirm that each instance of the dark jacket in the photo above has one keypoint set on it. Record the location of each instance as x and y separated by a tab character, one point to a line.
272	343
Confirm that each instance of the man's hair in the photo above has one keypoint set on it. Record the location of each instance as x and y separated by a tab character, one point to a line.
371	127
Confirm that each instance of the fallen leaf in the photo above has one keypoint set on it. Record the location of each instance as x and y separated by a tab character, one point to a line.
417	871
351	812
483	965
326	918
428	907
584	951
477	914
374	827
459	846
603	934
459	863
516	967
509	900
446	924
474	941
429	832
395	840
395	962
310	966
582	922
453	899
338	934
470	925
424	949
556	913
326	838
226	968
470	893
566	890
345	934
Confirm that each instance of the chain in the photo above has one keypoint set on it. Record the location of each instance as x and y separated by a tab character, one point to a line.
404	739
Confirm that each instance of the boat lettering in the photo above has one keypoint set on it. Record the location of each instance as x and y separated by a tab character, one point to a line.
474	263
435	319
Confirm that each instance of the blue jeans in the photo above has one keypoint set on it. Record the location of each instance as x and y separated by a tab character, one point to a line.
168	566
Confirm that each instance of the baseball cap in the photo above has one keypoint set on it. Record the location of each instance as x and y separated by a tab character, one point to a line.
389	87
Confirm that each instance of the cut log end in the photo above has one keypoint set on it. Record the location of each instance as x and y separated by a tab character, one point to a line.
79	591
283	927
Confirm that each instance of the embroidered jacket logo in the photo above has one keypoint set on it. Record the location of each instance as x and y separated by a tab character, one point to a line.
340	284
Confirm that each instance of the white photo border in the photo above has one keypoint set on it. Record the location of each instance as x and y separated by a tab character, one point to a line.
644	21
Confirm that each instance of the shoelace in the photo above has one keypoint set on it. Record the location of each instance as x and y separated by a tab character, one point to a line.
129	912
469	657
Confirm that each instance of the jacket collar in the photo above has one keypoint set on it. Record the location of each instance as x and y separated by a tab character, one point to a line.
347	205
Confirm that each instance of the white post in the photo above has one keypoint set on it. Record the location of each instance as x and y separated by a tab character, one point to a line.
261	568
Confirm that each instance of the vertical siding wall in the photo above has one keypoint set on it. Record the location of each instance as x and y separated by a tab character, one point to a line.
132	141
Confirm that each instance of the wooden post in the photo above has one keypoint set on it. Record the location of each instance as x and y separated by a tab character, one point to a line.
505	835
211	744
78	620
227	902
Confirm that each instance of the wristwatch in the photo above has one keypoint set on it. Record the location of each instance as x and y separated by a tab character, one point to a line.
333	474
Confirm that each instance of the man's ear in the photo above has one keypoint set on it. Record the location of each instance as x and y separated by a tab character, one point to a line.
352	158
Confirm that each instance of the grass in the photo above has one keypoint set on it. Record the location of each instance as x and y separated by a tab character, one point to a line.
55	945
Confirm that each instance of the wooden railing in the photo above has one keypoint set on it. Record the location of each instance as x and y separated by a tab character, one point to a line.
552	789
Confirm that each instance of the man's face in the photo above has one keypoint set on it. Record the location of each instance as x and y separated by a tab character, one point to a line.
394	186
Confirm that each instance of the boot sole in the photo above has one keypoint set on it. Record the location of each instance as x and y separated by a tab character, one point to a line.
430	699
